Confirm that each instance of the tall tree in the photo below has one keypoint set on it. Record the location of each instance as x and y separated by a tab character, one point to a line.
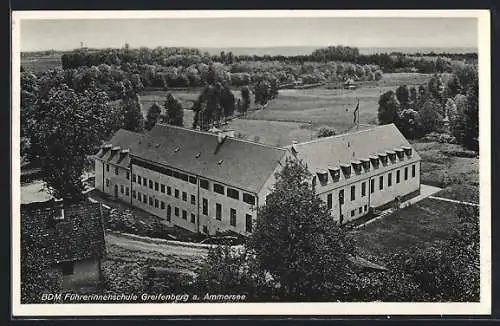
70	127
295	237
175	112
245	96
152	116
133	119
403	96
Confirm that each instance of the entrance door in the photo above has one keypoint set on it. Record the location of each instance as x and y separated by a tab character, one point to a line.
116	191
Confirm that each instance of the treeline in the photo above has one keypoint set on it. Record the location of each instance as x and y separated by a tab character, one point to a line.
447	107
174	67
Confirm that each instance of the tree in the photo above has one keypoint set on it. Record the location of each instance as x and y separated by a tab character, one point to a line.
245	95
403	96
410	124
70	126
295	237
431	115
326	132
133	119
262	93
227	101
436	86
471	117
175	112
388	108
152	116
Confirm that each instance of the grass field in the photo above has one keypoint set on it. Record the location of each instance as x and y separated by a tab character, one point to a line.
417	225
40	64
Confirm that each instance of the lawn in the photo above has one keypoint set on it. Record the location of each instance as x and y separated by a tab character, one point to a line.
41	63
443	166
415	226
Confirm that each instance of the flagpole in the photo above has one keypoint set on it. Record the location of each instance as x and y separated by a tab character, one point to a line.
357	128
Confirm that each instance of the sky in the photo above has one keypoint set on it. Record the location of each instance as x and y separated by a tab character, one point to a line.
59	34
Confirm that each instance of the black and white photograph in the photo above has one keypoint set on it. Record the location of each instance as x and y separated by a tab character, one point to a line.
251	162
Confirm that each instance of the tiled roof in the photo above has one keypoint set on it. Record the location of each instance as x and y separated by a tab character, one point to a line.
235	162
336	151
79	236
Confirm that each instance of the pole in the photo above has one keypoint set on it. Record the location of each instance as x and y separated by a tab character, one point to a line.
357	120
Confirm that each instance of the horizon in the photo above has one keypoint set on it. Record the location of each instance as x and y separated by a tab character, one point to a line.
366	32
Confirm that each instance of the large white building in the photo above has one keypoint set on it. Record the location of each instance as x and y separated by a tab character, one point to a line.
207	182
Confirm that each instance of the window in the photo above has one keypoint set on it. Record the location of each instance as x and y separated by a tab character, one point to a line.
193	218
116	170
232	219
176	211
218	211
341	196
360	210
249	199
184	215
184	196
233	193
168	172
193	199
363	189
389	180
169	190
157	186
205	229
176	193
192	180
134	177
184	177
169	212
150	184
353	193
126	191
219	188
107	167
150	201
139	181
122	189
406	173
413	171
248	223
134	194
353	212
162	205
381	182
128	175
366	208
107	182
139	196
67	268
144	182
145	199
205	206
372	186
329	201
204	183
398	175
162	188
156	203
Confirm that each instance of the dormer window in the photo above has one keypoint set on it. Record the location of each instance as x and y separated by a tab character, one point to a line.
357	166
346	169
322	176
392	156
335	173
383	158
407	150
375	161
365	162
400	153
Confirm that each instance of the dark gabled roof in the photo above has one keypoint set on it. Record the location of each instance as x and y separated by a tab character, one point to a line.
242	164
342	149
79	236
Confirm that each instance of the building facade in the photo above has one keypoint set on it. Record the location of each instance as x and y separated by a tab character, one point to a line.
212	183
